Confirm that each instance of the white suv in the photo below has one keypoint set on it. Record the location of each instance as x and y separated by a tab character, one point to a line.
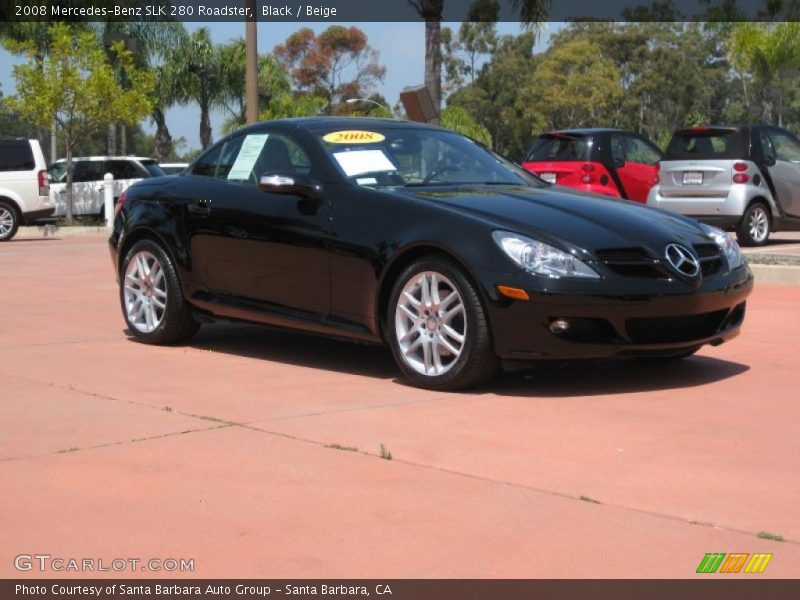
24	189
87	181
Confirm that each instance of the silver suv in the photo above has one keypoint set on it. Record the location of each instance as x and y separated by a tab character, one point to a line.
744	178
24	186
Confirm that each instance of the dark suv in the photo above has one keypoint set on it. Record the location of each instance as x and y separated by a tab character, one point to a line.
741	177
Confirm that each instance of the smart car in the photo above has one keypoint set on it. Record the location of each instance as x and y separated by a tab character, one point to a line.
612	162
413	236
743	178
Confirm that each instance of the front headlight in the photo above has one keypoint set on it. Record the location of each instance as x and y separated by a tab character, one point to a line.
727	245
540	258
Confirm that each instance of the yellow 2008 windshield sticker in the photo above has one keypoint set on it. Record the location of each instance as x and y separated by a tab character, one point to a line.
354	137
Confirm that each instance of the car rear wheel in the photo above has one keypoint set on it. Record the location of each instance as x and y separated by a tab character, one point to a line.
151	297
755	226
438	329
9	221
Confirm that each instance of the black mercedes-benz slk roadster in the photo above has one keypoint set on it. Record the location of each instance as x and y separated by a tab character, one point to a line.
398	233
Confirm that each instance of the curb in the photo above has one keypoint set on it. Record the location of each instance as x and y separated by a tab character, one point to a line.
43	231
789	274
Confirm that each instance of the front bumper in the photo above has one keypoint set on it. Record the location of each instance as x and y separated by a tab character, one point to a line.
609	322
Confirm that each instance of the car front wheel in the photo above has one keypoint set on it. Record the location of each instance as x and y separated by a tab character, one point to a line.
438	329
9	221
151	296
755	226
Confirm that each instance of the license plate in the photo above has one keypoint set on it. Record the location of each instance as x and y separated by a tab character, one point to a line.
548	177
693	178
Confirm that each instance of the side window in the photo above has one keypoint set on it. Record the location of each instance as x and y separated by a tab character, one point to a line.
230	152
16	156
785	147
206	165
88	170
281	154
123	169
617	149
639	151
766	146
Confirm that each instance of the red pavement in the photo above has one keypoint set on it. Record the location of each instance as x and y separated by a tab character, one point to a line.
217	451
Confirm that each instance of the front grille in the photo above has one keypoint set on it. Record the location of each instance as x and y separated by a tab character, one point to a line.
636	262
710	258
631	262
669	330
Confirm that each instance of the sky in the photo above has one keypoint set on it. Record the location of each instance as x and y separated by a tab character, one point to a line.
401	47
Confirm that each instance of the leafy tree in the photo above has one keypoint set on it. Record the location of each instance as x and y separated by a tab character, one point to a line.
337	64
76	87
768	54
458	119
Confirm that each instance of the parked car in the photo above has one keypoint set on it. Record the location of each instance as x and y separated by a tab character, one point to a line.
744	178
87	181
414	236
24	187
604	161
173	168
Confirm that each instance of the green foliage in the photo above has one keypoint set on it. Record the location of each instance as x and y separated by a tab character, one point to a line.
458	119
75	87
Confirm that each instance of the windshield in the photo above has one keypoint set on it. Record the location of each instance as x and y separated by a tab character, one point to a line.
384	156
560	147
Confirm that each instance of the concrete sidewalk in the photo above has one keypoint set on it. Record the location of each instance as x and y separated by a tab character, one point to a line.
256	453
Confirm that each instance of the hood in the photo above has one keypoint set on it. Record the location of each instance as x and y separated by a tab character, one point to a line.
571	219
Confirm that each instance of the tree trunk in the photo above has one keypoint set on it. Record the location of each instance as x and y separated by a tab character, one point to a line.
54	142
123	140
205	127
69	203
164	145
431	11
112	139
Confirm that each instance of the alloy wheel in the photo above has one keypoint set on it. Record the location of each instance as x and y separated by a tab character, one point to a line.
430	323
6	221
145	292
758	224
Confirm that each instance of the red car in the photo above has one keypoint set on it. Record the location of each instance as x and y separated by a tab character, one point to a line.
605	161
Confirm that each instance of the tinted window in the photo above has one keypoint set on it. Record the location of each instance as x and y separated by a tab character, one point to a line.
282	154
58	172
16	155
229	153
153	168
206	165
124	169
560	147
634	149
706	144
784	146
88	170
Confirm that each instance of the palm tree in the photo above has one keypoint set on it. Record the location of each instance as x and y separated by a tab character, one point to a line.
530	12
770	53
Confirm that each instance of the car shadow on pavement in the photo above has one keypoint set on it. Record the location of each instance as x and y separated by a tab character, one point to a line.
616	376
295	348
585	378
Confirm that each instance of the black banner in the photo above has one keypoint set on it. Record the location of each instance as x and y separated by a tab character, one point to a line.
348	11
394	589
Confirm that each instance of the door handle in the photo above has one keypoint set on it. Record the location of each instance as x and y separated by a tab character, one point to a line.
199	207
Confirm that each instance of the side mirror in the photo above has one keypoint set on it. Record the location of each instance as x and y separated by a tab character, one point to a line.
619	162
770	161
290	185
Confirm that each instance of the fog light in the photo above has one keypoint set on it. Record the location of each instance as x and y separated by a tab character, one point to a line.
559	326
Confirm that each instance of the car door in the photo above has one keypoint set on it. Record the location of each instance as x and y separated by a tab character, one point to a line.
635	160
87	186
782	153
248	245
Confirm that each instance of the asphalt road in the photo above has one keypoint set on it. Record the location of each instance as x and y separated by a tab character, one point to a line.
256	453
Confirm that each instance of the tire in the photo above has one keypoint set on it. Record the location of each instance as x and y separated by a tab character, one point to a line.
440	339
151	297
9	221
755	226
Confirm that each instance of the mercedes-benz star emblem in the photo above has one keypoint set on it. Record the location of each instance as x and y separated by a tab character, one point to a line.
683	261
